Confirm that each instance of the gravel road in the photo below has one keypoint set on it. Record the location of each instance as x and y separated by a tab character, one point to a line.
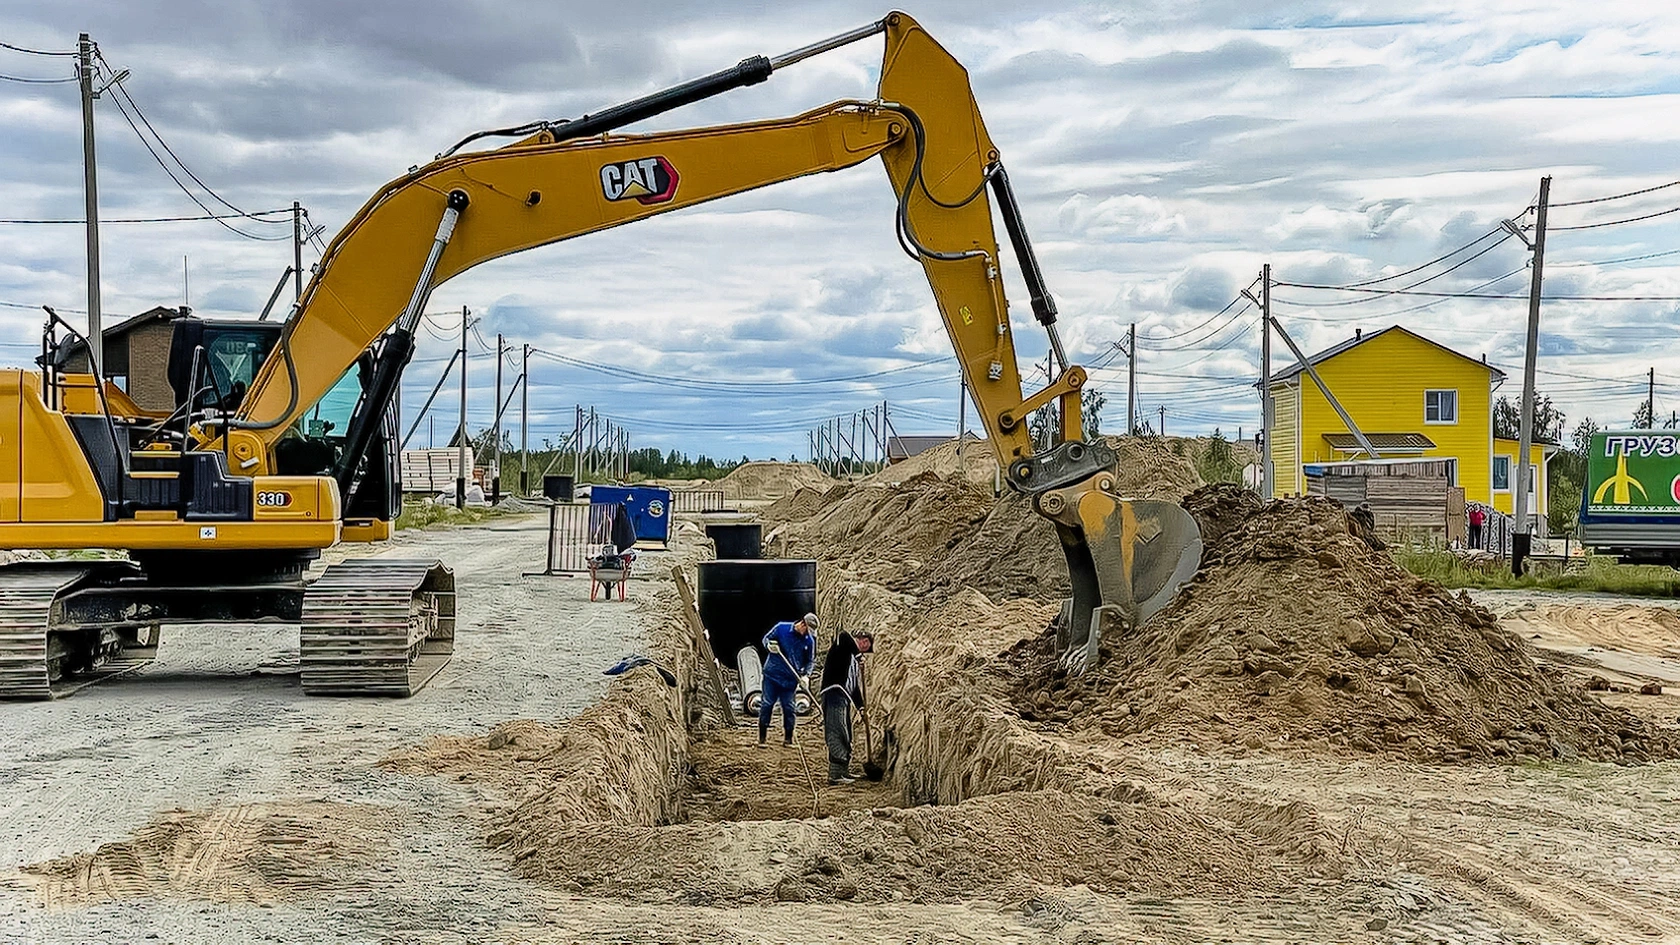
218	723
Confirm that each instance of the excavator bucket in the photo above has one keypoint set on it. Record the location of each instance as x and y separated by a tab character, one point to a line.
1127	558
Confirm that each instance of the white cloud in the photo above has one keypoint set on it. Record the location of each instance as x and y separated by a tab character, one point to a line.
1162	150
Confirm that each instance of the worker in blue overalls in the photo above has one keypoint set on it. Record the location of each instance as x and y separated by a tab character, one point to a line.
792	648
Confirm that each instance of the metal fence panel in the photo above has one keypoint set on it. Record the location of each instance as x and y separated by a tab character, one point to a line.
697	500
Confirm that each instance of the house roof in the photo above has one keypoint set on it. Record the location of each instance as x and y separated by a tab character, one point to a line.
1399	442
1295	369
158	313
904	447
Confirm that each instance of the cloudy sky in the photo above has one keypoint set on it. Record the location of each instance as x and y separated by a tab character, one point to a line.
1162	151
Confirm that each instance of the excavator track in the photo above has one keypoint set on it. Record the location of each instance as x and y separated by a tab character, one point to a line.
377	627
39	661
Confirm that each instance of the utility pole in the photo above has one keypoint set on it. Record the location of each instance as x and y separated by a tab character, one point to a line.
962	422
1163	420
1268	482
1651	401
1520	540
297	251
90	190
496	428
525	423
1131	379
463	453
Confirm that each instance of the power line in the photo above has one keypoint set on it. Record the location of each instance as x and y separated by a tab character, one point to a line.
1631	193
739	386
1594	226
1192	330
1384	316
29	81
123	93
195	217
1192	344
1438	259
184	189
1473	295
1360	287
38	52
1608	262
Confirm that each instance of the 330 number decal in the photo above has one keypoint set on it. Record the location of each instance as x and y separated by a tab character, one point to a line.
274	500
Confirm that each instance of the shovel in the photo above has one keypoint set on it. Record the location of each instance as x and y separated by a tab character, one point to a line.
871	769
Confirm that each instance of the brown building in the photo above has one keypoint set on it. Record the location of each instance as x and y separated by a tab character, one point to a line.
137	356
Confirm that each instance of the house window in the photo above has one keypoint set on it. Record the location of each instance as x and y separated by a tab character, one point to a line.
1440	406
1502	474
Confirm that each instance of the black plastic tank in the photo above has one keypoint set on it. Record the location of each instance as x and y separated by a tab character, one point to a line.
737	541
558	488
741	600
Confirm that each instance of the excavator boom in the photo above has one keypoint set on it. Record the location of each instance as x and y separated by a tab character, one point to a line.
255	468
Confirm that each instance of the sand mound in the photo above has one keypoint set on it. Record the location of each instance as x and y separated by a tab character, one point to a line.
1013	553
796	506
1154	467
1297	632
771	480
977	464
931	534
887	533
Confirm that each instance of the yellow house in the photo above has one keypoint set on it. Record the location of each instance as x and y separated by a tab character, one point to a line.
1413	399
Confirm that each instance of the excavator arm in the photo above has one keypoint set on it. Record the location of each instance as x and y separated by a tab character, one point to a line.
565	179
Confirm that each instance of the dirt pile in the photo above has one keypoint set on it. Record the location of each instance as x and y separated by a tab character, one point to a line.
935	535
886	533
771	480
976	465
796	506
1297	632
1013	552
1219	510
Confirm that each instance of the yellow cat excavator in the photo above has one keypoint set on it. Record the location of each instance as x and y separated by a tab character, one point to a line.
283	439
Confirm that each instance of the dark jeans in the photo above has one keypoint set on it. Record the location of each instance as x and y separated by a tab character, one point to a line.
776	691
837	731
1475	535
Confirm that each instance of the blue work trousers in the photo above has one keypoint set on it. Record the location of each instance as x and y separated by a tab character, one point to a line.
776	691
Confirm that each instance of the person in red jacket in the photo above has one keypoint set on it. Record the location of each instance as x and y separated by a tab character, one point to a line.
1477	518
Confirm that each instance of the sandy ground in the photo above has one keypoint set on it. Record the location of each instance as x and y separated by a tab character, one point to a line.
218	726
206	800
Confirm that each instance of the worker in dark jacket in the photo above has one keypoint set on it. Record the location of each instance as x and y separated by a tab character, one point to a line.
790	649
842	688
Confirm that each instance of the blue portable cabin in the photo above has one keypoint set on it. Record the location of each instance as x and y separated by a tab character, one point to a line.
649	507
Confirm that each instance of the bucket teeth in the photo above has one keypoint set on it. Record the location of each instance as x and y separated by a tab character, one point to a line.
377	627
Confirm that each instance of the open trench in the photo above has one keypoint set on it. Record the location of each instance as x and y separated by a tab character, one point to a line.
647	796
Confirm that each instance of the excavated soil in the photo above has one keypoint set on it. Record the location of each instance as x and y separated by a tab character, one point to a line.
645	797
935	534
1296	632
884	533
976	465
771	480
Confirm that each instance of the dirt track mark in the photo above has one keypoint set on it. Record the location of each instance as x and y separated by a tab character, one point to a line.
258	853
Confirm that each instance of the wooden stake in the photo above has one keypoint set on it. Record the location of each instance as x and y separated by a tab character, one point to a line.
703	645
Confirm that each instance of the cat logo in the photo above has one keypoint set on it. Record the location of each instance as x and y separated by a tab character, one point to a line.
649	180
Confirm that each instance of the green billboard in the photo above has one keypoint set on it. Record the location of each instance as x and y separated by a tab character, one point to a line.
1633	473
